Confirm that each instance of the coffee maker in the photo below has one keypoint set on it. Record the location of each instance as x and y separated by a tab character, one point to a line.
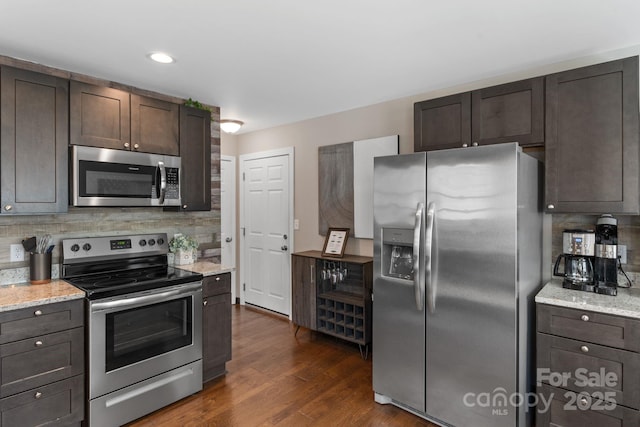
578	251
605	273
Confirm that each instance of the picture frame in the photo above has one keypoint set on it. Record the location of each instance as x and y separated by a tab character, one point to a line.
335	242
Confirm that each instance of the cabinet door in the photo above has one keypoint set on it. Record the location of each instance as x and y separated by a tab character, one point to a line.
33	142
99	116
57	404
195	151
562	408
592	139
216	343
512	112
154	126
304	291
41	360
442	122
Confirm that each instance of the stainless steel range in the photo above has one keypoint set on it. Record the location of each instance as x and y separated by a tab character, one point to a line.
144	325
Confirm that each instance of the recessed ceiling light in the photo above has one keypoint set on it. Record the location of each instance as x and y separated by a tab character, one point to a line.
161	57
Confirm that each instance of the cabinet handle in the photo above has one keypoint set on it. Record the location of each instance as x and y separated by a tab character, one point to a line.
217	279
551	206
8	207
39	343
38	395
184	206
585	318
312	275
136	146
475	144
127	145
205	302
38	313
584	401
465	145
584	349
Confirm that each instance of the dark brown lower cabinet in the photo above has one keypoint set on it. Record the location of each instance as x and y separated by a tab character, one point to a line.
216	321
42	365
586	375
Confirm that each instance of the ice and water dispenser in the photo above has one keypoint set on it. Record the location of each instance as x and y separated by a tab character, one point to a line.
397	253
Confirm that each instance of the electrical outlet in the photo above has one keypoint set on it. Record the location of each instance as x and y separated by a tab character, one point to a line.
622	254
296	224
16	253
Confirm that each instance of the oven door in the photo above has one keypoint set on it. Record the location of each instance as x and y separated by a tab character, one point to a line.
135	337
105	177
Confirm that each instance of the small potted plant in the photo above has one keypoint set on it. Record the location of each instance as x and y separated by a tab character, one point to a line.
184	249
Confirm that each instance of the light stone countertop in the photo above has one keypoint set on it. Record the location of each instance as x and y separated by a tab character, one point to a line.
626	303
206	268
22	295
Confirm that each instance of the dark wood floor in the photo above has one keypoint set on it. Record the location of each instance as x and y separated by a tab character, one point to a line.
277	379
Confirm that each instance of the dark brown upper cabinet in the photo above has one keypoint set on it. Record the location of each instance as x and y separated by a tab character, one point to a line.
592	139
154	126
512	112
195	152
99	116
442	122
33	142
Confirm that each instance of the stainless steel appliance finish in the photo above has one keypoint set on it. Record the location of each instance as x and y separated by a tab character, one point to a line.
606	256
144	325
579	242
106	177
461	323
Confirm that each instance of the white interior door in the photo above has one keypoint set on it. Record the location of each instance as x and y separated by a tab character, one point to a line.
266	211
228	218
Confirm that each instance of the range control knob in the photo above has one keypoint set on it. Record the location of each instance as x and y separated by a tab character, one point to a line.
161	241
75	247
152	242
86	247
142	242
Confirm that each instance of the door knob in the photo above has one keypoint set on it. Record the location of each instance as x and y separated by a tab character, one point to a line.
284	247
228	239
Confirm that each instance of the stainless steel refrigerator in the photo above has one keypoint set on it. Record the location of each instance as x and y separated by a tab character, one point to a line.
457	263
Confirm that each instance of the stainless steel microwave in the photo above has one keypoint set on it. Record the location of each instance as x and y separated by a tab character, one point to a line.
105	177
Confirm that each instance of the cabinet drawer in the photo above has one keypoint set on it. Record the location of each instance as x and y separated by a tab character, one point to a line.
57	404
593	327
598	370
216	285
40	360
563	411
40	320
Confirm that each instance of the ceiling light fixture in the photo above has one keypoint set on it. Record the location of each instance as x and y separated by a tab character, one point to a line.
230	126
161	57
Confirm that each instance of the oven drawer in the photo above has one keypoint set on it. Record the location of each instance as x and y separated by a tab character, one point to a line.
40	320
598	328
40	360
57	404
216	285
580	366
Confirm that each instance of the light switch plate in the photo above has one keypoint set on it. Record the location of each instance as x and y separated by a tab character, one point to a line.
296	224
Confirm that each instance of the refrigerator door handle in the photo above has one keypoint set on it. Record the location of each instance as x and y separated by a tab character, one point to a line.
428	256
418	283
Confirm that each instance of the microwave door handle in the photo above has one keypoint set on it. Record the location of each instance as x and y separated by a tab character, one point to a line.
163	183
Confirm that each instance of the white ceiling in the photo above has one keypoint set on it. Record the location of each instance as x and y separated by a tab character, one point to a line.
271	62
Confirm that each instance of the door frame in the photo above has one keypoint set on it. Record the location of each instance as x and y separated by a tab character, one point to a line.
289	152
231	188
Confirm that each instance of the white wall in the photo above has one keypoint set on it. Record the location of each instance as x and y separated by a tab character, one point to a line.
387	118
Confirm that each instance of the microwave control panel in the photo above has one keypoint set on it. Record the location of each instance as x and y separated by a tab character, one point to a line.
173	183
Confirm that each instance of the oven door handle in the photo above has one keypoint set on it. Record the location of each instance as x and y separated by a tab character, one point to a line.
145	299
